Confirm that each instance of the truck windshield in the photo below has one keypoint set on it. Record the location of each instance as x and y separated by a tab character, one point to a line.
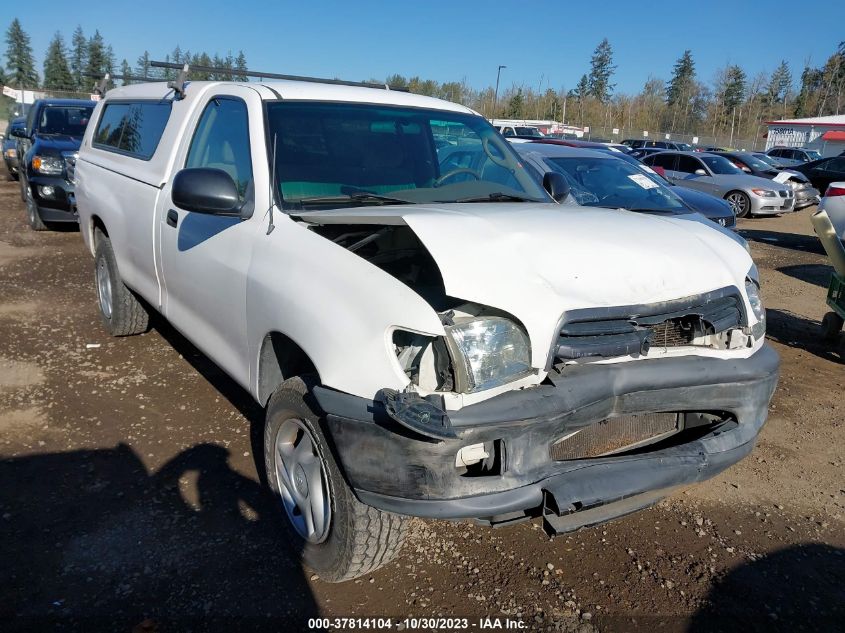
64	120
342	154
613	183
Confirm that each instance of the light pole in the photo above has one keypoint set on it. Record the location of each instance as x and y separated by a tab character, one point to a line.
496	96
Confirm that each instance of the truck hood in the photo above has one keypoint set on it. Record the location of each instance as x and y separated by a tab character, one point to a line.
536	261
58	142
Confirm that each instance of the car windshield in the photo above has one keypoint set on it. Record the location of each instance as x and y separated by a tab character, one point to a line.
529	131
721	165
342	154
684	147
768	160
69	120
754	162
614	183
813	154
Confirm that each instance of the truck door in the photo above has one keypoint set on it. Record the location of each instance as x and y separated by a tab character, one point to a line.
205	258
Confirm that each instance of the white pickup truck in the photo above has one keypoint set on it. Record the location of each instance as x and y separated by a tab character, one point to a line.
429	338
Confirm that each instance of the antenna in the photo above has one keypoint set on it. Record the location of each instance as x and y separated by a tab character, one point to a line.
272	226
255	73
178	84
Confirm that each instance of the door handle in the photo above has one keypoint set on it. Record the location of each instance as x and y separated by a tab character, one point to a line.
172	218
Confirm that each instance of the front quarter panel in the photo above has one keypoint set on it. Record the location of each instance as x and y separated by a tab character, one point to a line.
337	307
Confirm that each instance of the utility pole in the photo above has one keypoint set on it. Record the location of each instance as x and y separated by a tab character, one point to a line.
496	96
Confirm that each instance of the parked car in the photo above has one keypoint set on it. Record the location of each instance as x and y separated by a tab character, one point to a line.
790	156
10	147
47	149
597	145
429	338
714	209
716	175
642	152
822	173
805	194
833	203
611	185
638	143
769	160
520	131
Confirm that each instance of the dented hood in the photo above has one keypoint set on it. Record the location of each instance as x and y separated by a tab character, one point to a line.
536	261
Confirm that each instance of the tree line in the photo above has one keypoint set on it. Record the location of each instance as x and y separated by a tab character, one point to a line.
69	68
732	103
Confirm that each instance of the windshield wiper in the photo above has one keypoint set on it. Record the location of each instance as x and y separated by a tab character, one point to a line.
359	196
498	196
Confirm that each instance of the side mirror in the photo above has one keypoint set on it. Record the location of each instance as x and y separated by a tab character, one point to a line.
700	172
206	190
18	132
556	184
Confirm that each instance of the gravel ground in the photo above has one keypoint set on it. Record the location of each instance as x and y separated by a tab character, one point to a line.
130	500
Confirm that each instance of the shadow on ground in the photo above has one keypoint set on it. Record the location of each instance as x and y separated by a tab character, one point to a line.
816	274
794	241
93	541
800	588
796	331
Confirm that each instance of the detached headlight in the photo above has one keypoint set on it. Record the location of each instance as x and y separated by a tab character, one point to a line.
752	289
488	352
764	193
48	165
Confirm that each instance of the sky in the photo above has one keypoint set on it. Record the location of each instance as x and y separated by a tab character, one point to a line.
543	44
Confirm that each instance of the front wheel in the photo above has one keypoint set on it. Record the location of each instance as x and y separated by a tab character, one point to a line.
32	214
740	203
121	311
336	535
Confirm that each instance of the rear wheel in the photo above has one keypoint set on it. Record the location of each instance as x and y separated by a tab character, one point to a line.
740	203
335	534
120	310
831	326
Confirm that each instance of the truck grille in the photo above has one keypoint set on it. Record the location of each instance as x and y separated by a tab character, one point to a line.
615	435
621	331
70	165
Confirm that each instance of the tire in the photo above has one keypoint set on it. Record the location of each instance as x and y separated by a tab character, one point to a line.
33	217
354	539
740	203
121	312
841	348
831	326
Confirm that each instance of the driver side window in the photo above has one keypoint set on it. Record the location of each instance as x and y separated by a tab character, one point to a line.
221	141
688	164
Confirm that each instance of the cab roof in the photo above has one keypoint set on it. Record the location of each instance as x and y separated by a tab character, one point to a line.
288	89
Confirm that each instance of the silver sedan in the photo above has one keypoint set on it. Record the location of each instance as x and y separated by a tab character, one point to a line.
716	175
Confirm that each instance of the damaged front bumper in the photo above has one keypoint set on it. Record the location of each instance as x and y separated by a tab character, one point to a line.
397	470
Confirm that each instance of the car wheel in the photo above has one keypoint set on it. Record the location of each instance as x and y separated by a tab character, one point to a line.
337	536
740	203
32	214
831	326
121	311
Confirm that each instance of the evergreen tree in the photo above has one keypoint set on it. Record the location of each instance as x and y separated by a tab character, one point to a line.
601	69
515	106
97	63
79	59
19	60
240	64
679	88
57	75
126	71
734	92
110	65
142	66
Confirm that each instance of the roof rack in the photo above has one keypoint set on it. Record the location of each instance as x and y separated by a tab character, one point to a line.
185	68
100	86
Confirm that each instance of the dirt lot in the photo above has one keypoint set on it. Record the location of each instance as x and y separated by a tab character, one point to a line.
129	497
